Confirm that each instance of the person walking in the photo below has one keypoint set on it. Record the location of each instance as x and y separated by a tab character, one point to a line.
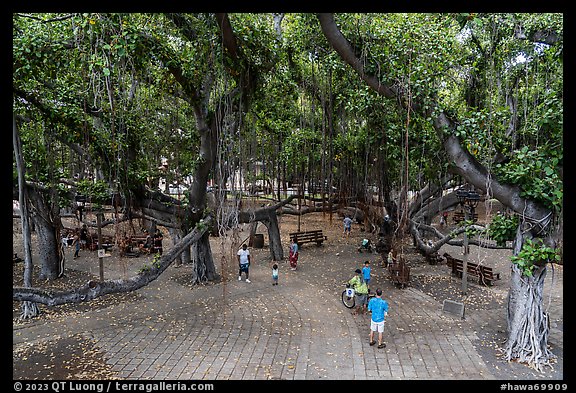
76	244
360	291
84	237
293	254
347	226
444	219
379	309
391	259
366	273
158	242
243	255
275	274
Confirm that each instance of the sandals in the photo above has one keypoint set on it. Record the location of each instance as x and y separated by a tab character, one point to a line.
382	345
372	343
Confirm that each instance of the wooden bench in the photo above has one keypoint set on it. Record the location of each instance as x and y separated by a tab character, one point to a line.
459	217
137	240
315	236
450	260
485	274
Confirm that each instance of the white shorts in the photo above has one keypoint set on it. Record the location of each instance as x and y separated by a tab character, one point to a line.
377	326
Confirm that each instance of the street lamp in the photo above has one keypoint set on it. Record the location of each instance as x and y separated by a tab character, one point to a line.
469	201
80	203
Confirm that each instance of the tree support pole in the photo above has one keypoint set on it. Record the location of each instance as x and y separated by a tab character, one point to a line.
100	259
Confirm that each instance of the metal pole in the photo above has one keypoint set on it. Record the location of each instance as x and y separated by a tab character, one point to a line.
101	260
465	259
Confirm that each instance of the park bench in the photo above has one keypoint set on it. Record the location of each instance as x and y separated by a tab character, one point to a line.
459	216
136	240
485	274
315	236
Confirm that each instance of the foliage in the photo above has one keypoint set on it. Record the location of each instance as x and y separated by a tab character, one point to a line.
154	265
532	254
502	228
536	173
201	225
103	85
97	192
470	230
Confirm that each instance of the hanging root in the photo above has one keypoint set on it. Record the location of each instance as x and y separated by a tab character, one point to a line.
528	343
29	310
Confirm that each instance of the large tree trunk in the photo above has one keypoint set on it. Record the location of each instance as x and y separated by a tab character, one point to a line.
29	309
175	236
275	243
47	235
528	324
203	269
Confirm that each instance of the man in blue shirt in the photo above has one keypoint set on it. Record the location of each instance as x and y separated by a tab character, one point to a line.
379	308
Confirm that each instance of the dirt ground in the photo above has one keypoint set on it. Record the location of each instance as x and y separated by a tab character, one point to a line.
83	361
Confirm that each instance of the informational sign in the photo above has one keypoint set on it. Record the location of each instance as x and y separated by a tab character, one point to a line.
454	307
102	253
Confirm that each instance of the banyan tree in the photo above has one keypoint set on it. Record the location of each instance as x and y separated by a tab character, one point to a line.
375	114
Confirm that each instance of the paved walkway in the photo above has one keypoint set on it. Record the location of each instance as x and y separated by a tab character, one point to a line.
298	330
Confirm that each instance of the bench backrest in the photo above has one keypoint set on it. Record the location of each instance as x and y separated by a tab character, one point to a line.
487	270
476	268
314	232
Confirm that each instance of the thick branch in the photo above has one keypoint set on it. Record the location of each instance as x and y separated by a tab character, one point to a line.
346	52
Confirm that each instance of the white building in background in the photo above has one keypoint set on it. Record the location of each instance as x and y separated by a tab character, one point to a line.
235	182
172	189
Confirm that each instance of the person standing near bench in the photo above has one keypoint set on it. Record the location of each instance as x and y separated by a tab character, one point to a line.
84	237
158	242
243	262
293	254
379	308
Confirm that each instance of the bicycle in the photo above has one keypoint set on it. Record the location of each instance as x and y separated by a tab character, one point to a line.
349	298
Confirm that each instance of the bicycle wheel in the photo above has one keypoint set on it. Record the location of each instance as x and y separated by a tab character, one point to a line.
348	301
